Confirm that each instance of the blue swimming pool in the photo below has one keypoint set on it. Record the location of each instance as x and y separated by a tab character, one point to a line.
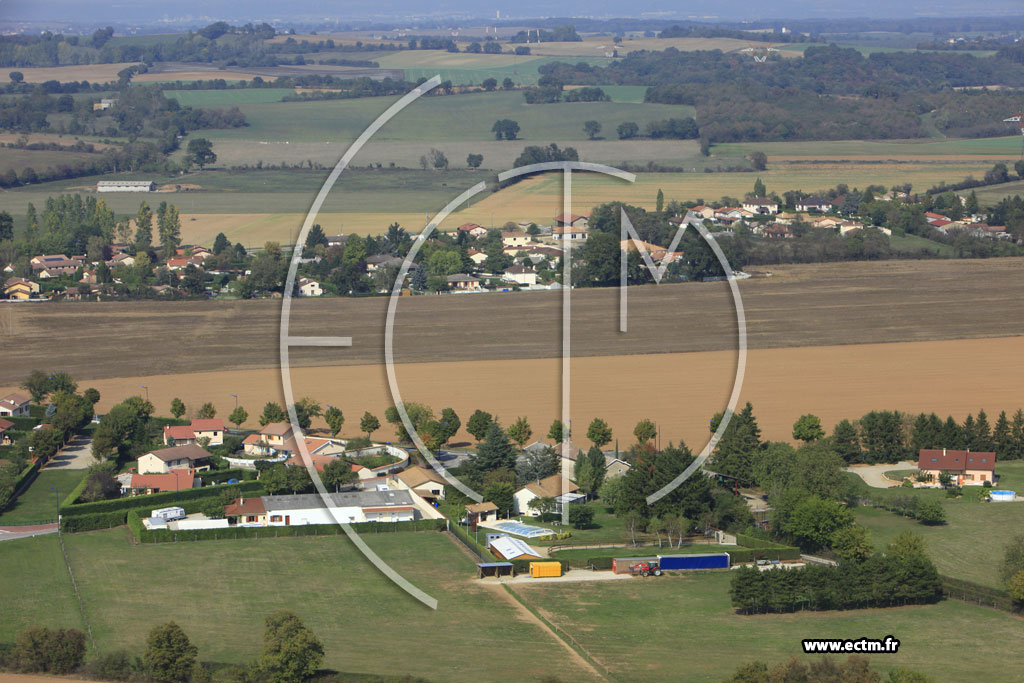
524	530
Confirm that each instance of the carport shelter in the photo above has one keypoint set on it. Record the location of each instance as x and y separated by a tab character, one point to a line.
496	569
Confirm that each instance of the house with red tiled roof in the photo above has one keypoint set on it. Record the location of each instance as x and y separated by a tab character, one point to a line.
246	512
550	487
14	405
135	484
477	257
5	426
269	439
181	435
572	220
967	468
473	229
20	288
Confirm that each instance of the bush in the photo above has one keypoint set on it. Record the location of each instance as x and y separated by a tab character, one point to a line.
111	666
91	522
41	650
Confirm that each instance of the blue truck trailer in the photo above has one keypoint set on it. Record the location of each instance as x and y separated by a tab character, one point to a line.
694	561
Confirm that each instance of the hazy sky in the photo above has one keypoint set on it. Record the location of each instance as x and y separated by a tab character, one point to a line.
150	11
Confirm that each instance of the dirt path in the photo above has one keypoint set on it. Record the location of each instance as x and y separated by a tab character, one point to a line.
874	475
530	617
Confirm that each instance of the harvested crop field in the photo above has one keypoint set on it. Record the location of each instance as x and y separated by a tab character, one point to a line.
811	331
679	391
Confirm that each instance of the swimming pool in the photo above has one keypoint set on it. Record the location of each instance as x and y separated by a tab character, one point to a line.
524	530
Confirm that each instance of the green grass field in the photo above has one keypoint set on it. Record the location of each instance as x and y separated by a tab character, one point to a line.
220	591
35	589
39	503
888	149
20	159
970	545
642	551
684	628
989	196
438	119
465	68
227	98
913	244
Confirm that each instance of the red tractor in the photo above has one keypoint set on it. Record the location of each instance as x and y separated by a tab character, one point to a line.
645	568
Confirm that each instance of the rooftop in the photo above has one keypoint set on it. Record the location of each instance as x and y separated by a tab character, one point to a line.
362	499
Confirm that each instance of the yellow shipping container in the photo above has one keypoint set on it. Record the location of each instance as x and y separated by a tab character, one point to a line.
542	569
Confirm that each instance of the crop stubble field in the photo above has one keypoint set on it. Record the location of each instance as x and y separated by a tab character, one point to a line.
814	335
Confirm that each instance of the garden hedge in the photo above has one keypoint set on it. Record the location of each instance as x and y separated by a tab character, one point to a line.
159	500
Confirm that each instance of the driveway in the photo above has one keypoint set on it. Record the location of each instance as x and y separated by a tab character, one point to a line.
874	475
77	455
10	533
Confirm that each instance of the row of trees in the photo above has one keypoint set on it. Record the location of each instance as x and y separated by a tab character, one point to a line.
292	653
903	575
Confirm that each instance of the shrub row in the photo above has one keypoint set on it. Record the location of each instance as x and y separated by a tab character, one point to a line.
754	554
925	510
91	521
159	500
24	424
753	542
480	551
958	589
169	536
75	493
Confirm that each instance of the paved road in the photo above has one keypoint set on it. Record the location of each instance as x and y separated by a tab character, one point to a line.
77	455
10	533
873	475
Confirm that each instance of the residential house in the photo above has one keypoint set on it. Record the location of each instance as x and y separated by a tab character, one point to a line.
426	482
826	223
14	405
613	467
103	104
5	427
246	512
463	281
521	275
509	549
762	206
135	484
182	435
931	217
572	220
162	461
550	487
567	456
967	468
477	257
705	212
271	436
54	265
473	229
309	287
481	512
515	239
777	231
382	261
19	288
347	507
575	234
815	204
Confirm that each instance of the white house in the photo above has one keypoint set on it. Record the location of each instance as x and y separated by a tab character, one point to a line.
271	438
125	186
473	229
463	281
348	507
761	206
577	234
814	204
174	458
520	274
571	220
14	405
309	287
546	488
515	239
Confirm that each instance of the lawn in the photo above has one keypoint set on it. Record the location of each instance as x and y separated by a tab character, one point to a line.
913	244
40	160
437	119
684	628
228	98
607	529
367	624
993	194
35	589
39	503
995	148
969	546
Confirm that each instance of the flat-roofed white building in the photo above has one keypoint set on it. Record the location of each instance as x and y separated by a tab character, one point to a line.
125	186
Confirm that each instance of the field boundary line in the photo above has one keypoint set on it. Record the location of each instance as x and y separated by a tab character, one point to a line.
74	586
562	635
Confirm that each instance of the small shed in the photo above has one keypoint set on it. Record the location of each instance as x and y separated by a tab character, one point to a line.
495	569
545	569
621	565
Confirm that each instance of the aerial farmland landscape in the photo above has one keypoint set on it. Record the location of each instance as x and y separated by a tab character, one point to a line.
533	342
